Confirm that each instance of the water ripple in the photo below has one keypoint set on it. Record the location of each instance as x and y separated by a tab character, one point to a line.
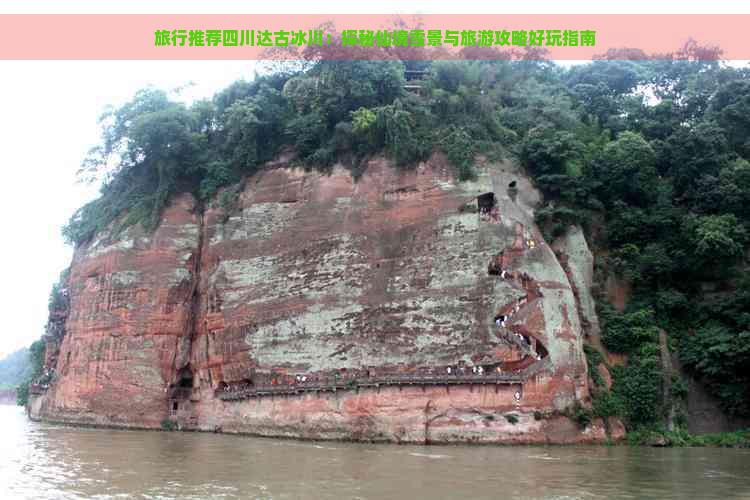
40	461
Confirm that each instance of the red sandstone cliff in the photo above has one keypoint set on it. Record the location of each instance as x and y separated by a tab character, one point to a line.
328	308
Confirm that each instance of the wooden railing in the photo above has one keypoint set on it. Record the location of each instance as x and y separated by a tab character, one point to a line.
333	384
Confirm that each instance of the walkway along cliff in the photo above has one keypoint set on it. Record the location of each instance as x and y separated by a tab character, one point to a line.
403	307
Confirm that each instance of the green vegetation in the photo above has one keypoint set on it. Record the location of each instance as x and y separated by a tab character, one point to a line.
511	418
580	415
36	359
658	435
168	425
14	369
346	111
36	352
605	403
663	177
718	347
638	385
57	300
650	157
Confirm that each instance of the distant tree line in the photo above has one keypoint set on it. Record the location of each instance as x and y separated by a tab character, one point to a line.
14	368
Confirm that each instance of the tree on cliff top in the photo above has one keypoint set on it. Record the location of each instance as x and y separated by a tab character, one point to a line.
150	146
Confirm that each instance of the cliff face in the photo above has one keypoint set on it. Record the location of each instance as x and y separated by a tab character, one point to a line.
125	333
328	308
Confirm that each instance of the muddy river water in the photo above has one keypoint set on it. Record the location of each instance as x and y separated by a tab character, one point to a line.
50	461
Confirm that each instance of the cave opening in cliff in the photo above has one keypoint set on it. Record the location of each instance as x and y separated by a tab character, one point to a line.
495	267
486	202
185	378
512	185
500	320
541	350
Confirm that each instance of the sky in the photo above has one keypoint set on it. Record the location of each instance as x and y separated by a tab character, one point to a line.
49	111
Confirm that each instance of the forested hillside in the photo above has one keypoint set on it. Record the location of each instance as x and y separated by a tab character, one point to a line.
14	369
650	157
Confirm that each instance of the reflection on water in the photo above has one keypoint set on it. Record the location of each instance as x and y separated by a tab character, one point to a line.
49	461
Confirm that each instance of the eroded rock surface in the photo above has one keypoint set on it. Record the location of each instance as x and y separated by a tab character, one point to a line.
126	330
315	278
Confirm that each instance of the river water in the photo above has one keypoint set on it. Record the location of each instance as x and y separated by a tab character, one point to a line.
43	461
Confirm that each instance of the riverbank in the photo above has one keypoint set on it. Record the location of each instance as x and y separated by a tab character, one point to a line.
682	438
642	438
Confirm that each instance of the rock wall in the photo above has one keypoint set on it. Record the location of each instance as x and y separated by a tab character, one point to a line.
127	329
578	263
320	276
